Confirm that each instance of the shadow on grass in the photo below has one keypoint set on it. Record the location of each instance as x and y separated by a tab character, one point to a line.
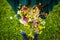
49	4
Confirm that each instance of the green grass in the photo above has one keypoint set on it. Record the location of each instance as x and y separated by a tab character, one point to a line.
10	29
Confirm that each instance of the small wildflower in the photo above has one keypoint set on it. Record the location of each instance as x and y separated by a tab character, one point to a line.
11	17
28	26
18	12
37	31
30	34
28	15
29	20
24	8
22	21
35	23
40	27
34	10
43	22
25	19
21	13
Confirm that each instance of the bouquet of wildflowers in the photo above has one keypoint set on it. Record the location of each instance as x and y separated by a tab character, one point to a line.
30	18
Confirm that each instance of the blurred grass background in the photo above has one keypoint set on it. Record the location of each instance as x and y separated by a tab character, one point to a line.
10	29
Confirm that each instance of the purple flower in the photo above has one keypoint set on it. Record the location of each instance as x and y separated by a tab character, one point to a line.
25	19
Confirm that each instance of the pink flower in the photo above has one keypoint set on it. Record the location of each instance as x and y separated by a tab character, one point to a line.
35	23
37	31
24	8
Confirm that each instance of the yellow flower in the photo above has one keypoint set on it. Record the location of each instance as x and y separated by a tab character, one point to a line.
31	35
25	12
28	26
40	32
28	15
21	13
34	10
36	17
40	27
28	9
29	20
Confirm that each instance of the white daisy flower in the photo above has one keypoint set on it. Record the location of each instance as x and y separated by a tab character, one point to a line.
43	22
22	21
18	12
